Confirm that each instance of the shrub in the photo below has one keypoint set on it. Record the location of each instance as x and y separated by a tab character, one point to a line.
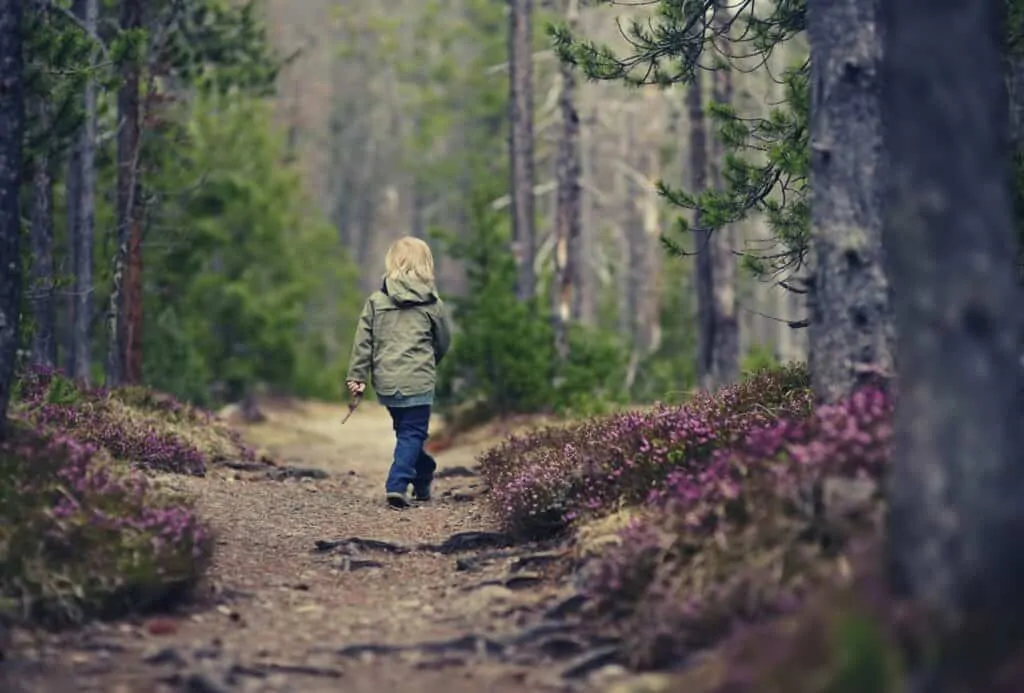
148	429
504	360
593	376
541	481
80	537
758	358
504	350
744	535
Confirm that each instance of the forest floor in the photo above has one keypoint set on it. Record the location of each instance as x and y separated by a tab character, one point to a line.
318	586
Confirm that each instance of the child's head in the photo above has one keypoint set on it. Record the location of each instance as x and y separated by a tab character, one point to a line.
409	258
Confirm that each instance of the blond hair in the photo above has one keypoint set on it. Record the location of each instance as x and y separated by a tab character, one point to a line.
409	258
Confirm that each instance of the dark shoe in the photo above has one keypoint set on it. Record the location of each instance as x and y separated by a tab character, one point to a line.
421	493
398	501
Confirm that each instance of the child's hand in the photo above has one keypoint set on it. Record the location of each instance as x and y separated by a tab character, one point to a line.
355	389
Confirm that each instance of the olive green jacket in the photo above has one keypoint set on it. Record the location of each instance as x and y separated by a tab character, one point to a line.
403	334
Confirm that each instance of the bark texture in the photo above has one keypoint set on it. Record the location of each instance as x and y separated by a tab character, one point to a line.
851	335
725	340
588	216
12	126
44	310
704	279
956	527
124	352
568	240
82	215
520	59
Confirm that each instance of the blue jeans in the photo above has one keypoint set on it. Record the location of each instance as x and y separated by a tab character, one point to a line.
411	465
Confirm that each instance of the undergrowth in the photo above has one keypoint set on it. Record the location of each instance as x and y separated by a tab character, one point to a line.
149	430
735	538
84	532
543	481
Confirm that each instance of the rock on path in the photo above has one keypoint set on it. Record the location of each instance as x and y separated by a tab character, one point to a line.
318	586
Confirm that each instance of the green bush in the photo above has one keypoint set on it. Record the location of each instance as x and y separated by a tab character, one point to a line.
503	358
758	358
247	287
669	373
593	376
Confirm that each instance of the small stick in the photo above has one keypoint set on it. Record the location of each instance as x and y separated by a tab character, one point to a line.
352	405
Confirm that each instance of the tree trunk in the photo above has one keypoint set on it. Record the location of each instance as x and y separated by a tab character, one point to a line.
44	310
622	269
567	298
634	251
82	215
124	347
650	217
705	259
851	323
633	222
520	59
956	530
725	347
72	184
587	280
12	126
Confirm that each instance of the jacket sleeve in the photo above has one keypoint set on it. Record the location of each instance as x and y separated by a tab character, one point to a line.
442	332
362	347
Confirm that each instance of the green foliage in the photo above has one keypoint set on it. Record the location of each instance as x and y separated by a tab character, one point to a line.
866	660
668	374
57	58
221	39
503	353
504	359
766	164
243	284
758	358
767	160
766	170
247	286
591	380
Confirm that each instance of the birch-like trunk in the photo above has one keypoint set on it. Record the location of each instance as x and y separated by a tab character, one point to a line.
566	295
588	221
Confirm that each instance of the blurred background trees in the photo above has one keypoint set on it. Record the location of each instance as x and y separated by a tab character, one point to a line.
617	194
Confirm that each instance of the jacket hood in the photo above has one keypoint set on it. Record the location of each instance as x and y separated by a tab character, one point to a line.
409	292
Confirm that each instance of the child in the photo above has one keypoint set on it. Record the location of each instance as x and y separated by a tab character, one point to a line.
403	334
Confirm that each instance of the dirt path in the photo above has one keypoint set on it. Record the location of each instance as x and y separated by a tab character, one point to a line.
282	616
